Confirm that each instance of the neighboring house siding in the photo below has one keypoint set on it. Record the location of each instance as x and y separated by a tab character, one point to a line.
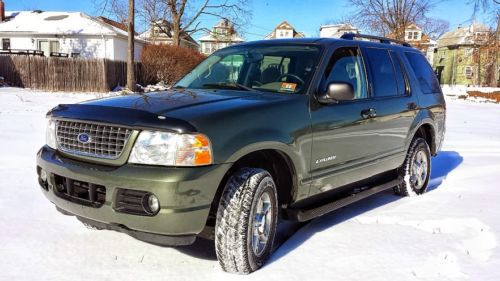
88	47
221	36
121	50
458	59
460	65
69	33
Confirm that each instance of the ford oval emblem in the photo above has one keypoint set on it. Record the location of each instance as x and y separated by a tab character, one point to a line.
84	138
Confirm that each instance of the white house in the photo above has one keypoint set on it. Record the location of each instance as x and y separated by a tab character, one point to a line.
337	30
284	30
72	33
221	36
156	35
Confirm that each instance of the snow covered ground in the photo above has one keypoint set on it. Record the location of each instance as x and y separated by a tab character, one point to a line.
450	233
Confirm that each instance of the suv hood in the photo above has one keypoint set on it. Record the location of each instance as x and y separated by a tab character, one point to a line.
163	102
146	110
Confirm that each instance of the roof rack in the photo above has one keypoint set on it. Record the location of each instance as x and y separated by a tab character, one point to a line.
352	36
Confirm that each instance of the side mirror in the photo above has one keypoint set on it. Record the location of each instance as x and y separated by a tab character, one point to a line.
337	91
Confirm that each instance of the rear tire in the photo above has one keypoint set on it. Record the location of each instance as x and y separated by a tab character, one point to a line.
246	221
416	169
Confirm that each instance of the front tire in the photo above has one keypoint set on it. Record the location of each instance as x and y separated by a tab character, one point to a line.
246	221
416	169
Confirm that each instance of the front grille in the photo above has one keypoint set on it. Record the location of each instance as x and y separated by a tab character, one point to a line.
80	192
100	141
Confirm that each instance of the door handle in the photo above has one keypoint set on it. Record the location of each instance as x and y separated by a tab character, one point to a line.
369	113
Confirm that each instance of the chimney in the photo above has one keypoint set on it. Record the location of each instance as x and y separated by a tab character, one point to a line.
2	11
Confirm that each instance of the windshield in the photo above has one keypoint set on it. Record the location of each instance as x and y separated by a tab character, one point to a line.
278	68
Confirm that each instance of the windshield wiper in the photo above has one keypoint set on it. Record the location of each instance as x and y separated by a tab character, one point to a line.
232	85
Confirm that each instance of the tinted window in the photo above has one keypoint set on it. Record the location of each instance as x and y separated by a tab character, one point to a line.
423	72
382	73
346	65
399	73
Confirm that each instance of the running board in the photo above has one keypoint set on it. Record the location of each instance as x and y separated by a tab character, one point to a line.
302	215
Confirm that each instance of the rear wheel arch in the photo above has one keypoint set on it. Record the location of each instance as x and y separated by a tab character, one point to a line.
428	133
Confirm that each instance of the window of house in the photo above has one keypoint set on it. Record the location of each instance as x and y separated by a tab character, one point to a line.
383	77
424	73
48	47
6	44
468	71
346	65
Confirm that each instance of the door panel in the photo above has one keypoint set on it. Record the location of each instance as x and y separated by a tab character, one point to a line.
354	140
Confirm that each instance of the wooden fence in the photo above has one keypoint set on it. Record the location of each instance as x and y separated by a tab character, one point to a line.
64	74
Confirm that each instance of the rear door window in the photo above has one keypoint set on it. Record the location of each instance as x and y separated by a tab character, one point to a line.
400	77
383	77
423	72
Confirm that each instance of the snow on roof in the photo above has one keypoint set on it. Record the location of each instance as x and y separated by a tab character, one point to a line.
339	26
461	35
60	23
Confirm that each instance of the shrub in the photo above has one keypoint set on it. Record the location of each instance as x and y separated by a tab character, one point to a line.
167	63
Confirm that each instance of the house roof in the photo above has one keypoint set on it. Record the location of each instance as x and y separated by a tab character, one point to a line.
59	23
461	35
214	37
149	35
413	26
285	25
339	26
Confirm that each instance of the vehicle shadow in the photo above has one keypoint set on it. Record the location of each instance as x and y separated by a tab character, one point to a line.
202	249
444	163
289	236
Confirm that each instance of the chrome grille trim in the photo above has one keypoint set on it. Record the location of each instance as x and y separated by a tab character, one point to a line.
106	141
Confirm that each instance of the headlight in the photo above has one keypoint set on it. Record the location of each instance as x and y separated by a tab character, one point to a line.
171	149
50	134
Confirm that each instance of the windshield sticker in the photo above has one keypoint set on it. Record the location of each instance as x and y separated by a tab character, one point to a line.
288	87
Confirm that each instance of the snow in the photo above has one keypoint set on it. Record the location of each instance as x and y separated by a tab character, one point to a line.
461	92
62	23
449	233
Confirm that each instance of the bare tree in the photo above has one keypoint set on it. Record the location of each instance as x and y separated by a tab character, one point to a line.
131	42
178	18
391	16
434	28
492	46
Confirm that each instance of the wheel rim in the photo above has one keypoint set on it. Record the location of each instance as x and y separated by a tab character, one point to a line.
419	169
262	222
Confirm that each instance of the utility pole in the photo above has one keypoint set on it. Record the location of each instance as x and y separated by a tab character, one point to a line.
131	37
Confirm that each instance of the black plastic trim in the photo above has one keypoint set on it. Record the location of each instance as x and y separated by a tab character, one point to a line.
153	238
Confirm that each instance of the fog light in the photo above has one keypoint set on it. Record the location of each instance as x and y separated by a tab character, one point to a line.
43	175
153	203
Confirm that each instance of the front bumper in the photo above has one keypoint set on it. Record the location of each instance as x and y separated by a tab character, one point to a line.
185	195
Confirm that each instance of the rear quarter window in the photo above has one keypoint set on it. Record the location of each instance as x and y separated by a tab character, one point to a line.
423	73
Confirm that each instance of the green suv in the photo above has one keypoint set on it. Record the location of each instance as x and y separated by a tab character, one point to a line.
256	134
